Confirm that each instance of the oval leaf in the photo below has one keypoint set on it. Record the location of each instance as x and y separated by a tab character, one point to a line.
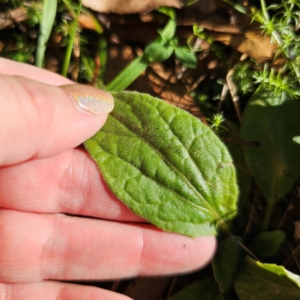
267	243
225	262
165	165
271	123
169	30
158	52
266	281
205	289
186	57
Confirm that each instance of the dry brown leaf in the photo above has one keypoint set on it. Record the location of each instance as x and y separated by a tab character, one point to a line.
129	6
87	21
236	23
8	19
241	34
252	43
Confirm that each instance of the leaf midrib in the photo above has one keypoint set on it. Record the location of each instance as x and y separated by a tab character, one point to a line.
184	179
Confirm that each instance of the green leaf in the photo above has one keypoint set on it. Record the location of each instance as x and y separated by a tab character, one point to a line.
267	243
129	74
270	125
266	281
158	52
170	12
173	42
225	262
230	135
185	56
168	31
46	24
241	8
165	165
206	289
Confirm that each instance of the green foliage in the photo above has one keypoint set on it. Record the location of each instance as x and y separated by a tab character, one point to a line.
279	27
276	82
165	165
206	289
216	122
266	244
274	159
175	172
230	132
163	47
157	51
46	24
244	74
71	42
125	78
87	67
186	57
168	32
225	262
266	281
270	143
34	15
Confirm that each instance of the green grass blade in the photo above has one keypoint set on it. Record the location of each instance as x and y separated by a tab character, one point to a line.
71	42
46	24
126	77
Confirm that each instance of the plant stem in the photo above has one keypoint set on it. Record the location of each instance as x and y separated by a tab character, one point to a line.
244	247
275	34
268	214
224	228
71	42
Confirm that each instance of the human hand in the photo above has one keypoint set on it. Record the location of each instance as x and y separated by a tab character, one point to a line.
48	188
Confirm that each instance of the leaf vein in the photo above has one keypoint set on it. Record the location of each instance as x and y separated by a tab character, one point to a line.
185	180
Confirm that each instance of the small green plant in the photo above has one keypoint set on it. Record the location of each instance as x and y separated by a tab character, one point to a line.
281	27
71	42
217	122
157	51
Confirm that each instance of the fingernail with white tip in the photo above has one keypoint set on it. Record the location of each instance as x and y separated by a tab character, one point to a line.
90	99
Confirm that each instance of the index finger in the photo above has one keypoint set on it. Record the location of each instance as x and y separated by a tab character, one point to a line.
39	120
9	67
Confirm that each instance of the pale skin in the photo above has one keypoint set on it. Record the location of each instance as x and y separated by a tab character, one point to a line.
45	181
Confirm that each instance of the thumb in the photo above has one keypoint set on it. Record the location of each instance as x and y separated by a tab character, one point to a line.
38	120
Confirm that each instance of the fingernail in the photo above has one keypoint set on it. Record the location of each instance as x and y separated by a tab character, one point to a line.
90	99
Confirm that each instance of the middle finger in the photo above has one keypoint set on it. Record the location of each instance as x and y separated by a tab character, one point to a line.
69	183
34	247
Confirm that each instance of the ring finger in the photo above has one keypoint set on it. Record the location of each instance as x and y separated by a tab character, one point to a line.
35	247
